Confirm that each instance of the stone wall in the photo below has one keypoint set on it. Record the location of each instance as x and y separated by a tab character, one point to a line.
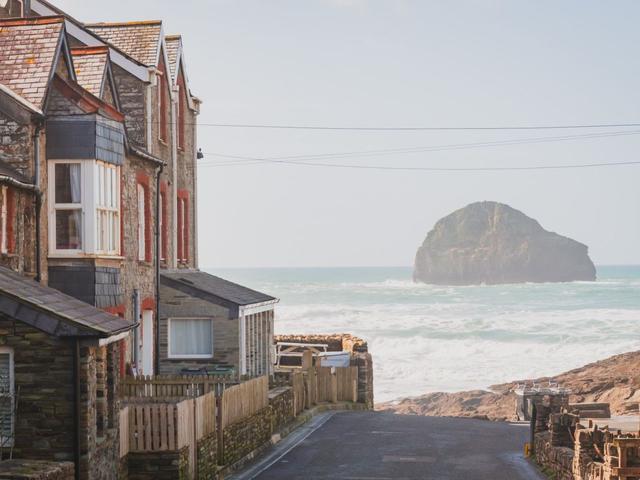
167	465
281	403
364	362
208	457
36	470
44	427
339	342
556	462
245	436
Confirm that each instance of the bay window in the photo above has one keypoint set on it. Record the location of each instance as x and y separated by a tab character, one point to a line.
190	338
85	208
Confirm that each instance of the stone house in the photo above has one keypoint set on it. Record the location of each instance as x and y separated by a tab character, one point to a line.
59	364
98	172
209	324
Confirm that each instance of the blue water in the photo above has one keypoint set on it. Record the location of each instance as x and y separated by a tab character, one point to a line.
428	338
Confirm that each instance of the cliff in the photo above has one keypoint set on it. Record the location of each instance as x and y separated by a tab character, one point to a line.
492	243
614	381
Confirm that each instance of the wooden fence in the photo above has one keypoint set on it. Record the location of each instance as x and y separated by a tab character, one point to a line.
170	387
324	384
124	431
297	383
243	400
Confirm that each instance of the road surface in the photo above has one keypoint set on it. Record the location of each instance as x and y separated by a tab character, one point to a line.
382	446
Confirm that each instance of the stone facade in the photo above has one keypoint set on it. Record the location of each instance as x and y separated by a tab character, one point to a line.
226	347
245	436
44	426
36	470
281	404
208	457
167	465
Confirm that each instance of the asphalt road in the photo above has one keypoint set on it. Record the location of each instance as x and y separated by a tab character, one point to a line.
381	446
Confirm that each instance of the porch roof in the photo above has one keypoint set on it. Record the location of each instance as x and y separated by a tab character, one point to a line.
54	312
212	288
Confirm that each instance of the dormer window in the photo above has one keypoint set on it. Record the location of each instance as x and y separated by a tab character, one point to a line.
85	208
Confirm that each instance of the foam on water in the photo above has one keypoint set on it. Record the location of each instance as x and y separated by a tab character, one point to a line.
431	338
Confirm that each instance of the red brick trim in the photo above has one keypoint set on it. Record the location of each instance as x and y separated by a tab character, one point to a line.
118	310
163	100
11	220
143	179
183	242
165	225
85	100
148	303
181	107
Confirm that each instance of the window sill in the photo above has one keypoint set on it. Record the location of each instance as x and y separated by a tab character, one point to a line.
86	256
196	357
144	263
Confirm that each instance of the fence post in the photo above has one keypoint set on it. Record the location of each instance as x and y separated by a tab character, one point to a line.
219	428
334	386
194	442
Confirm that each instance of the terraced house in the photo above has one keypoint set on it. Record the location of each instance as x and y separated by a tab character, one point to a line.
98	229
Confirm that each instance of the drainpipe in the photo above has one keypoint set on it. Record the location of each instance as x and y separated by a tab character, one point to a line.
38	197
157	265
76	388
136	334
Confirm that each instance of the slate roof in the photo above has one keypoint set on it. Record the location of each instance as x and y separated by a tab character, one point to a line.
174	45
6	170
28	50
52	311
91	65
139	40
218	288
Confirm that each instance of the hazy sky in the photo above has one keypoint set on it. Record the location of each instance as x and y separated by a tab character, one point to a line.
402	63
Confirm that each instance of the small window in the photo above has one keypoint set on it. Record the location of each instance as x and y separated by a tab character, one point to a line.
190	338
7	397
142	223
68	206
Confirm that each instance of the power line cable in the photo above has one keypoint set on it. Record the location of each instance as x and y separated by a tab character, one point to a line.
435	148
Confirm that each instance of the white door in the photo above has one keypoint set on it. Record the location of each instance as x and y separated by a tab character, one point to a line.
147	342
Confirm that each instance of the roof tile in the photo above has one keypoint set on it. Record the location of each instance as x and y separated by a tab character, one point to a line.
28	50
140	40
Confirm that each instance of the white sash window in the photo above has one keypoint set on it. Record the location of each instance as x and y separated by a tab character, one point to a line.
190	338
84	214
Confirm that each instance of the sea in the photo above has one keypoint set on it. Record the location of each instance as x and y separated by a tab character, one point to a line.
427	338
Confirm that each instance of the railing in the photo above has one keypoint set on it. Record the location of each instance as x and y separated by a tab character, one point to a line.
173	387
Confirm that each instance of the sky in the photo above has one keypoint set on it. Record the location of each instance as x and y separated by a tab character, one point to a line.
386	63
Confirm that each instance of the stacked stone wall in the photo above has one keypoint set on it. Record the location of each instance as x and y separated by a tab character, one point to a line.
281	403
36	470
167	465
208	457
245	436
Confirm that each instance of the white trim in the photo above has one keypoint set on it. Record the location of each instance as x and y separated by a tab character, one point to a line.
257	307
92	40
115	338
183	356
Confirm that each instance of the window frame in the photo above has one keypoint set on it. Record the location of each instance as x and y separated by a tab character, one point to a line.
12	390
174	356
115	195
54	207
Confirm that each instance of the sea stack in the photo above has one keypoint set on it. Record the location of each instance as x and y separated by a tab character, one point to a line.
492	243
